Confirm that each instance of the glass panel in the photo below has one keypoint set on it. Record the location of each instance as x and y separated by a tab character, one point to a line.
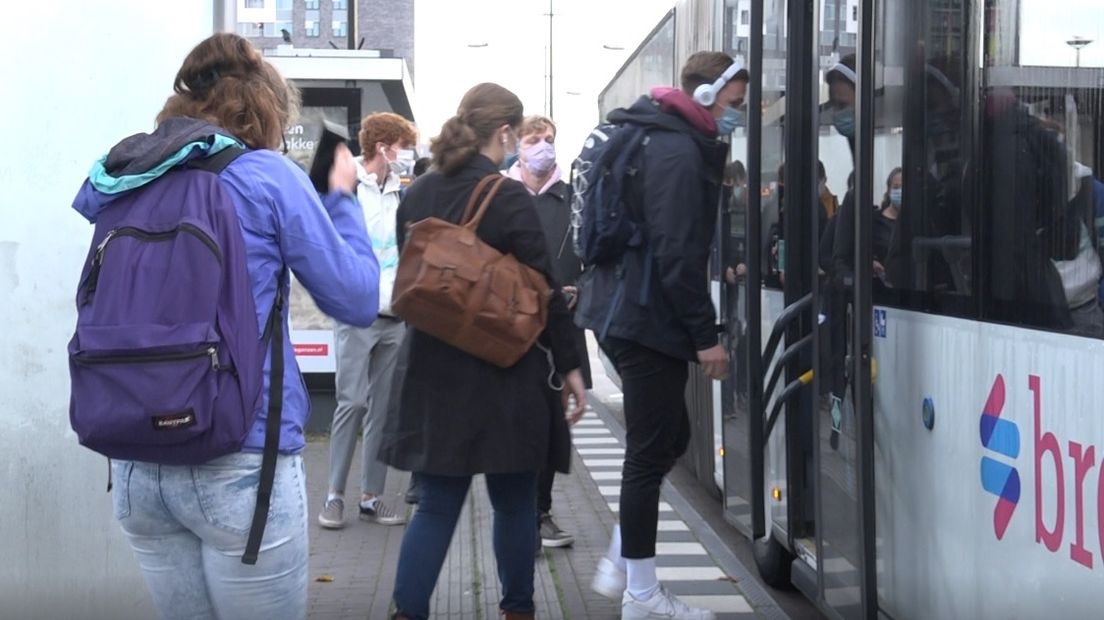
839	551
1042	132
773	259
653	65
732	238
339	28
311	5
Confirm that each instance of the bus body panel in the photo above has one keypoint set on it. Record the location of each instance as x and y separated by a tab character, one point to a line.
939	552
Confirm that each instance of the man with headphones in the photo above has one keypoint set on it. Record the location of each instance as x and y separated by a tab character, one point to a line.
652	308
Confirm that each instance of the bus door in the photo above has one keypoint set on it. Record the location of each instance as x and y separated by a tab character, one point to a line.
793	450
841	79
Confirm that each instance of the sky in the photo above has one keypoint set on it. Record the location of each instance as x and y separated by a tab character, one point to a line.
514	38
1046	25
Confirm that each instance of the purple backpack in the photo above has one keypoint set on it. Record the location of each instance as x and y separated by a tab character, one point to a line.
166	364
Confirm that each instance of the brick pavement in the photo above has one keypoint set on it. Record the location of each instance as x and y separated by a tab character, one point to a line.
353	569
361	558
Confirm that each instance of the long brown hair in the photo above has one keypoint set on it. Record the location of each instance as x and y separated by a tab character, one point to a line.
484	109
225	81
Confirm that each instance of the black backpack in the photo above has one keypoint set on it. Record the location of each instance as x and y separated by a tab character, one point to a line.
601	223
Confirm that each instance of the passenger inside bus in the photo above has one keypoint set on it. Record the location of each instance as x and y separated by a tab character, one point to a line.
776	246
1044	270
931	252
884	223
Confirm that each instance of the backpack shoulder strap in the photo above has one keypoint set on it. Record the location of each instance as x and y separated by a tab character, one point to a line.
219	161
274	337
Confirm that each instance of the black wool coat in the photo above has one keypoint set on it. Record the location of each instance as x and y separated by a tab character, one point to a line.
554	211
452	413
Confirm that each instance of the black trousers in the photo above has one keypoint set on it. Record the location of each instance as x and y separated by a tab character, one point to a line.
544	490
657	434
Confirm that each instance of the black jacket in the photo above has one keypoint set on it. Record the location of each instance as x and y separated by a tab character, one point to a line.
662	303
452	413
554	212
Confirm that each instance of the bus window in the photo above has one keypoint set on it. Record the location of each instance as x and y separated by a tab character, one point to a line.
922	222
1042	129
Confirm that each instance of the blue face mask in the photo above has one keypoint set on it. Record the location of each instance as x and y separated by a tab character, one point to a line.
895	196
844	122
731	119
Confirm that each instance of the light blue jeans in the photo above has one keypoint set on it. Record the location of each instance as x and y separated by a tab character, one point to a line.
188	527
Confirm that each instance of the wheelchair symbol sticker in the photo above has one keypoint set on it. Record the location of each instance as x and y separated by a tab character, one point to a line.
879	323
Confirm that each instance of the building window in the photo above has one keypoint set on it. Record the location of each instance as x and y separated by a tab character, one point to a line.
849	39
311	5
339	28
311	23
829	11
283	18
254	4
249	29
745	17
341	5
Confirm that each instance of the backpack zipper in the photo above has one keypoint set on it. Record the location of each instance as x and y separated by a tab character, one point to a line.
138	233
209	351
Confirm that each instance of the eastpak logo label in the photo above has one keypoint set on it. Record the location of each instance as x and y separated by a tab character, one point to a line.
174	421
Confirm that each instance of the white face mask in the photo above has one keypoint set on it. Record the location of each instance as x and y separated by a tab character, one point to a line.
402	164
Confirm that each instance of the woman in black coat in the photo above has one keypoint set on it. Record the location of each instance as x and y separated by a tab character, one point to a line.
453	415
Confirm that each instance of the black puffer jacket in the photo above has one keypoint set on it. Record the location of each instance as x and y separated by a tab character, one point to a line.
657	295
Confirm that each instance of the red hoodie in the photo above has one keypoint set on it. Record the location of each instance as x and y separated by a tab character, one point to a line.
674	101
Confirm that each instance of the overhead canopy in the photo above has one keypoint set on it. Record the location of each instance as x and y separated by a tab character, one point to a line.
384	82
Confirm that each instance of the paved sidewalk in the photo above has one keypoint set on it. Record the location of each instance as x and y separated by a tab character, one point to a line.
353	569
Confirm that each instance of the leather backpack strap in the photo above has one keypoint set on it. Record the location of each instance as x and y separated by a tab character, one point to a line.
473	223
482	185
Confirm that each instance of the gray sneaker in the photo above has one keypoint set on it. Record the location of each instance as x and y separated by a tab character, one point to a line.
380	513
332	516
551	535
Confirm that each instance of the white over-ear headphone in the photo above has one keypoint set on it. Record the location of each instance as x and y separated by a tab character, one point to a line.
706	94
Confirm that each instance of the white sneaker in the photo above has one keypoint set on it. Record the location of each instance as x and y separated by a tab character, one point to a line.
609	581
663	604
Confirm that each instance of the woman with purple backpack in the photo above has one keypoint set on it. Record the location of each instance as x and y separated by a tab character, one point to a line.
188	507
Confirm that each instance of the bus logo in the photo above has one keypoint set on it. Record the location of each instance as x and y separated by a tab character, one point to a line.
1001	437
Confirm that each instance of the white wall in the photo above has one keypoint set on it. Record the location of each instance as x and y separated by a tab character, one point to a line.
76	77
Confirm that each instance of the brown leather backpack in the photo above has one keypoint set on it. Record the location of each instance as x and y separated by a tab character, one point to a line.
453	286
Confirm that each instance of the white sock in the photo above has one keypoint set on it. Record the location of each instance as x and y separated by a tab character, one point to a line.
370	504
643	583
332	496
614	553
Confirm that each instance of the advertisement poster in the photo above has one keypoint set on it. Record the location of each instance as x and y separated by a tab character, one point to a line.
311	329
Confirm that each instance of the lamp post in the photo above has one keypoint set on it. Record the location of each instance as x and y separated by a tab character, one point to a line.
550	64
1077	43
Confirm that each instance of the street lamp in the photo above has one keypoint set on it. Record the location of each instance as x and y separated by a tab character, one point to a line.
1077	43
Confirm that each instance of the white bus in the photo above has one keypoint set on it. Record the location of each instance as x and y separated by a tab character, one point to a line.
911	427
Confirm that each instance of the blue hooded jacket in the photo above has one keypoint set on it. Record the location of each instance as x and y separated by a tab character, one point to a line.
324	242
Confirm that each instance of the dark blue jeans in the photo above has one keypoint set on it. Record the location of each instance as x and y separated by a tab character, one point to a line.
427	539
